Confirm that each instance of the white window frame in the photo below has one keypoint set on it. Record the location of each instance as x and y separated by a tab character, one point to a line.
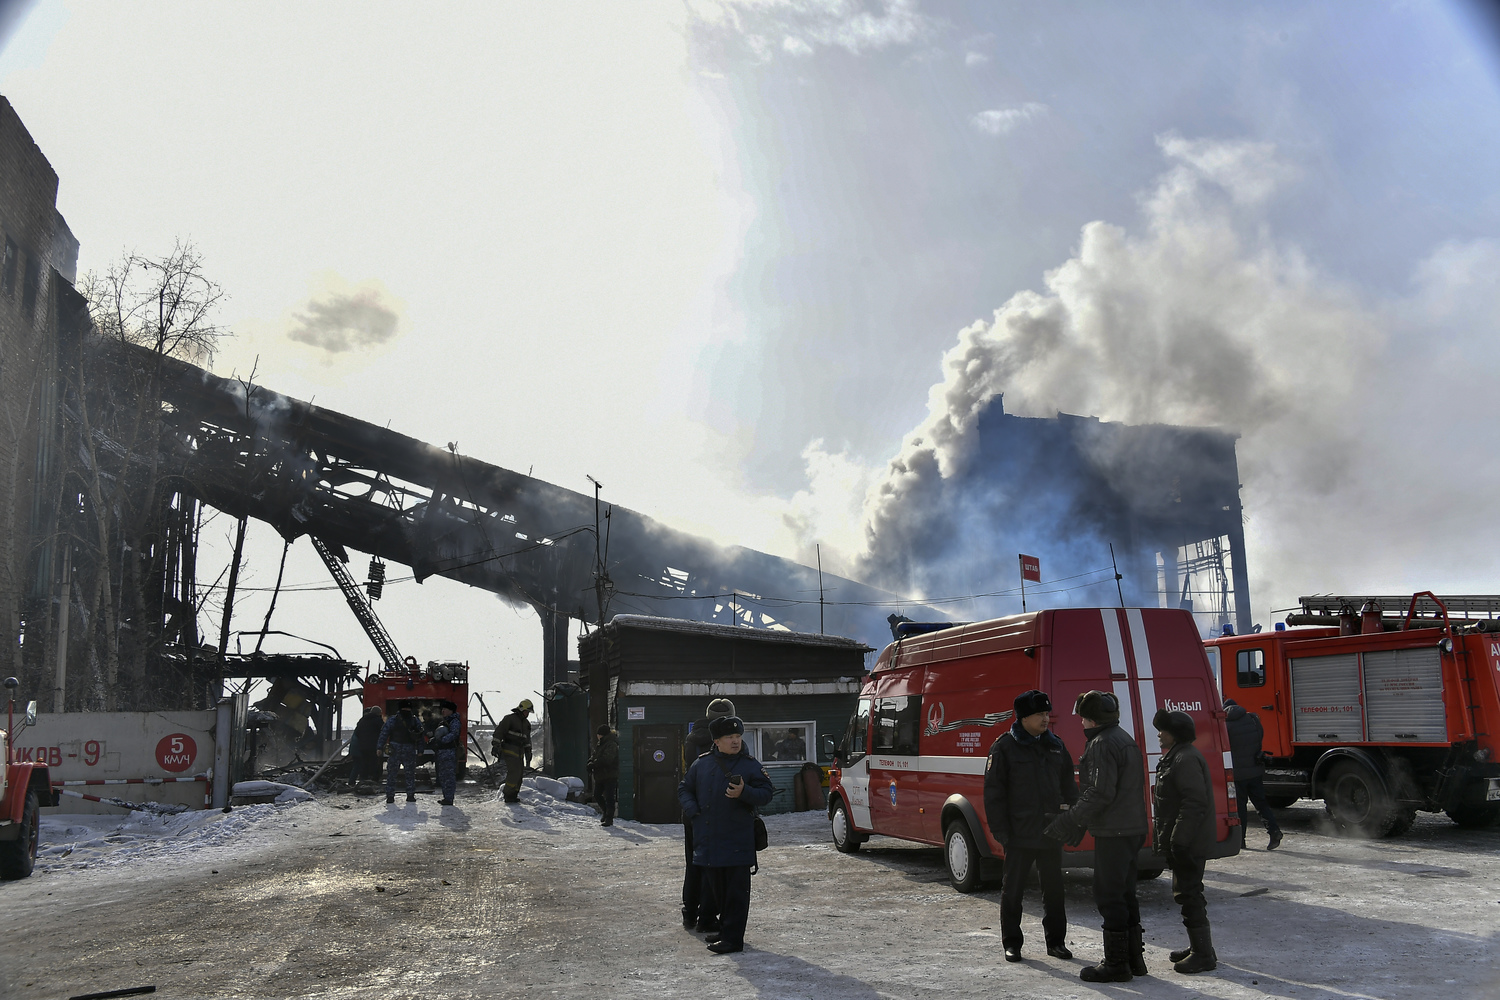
811	739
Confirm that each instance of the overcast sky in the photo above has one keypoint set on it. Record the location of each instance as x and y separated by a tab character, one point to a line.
715	254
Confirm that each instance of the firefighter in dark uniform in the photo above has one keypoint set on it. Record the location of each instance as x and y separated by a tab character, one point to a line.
699	911
447	738
604	765
1112	807
1184	832
513	737
1245	737
400	735
1028	782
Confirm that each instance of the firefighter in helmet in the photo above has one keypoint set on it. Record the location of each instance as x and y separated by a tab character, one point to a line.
513	738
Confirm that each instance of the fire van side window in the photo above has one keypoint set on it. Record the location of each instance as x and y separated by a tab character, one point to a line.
896	724
1250	668
858	726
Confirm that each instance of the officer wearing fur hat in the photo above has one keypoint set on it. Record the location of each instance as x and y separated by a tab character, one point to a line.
699	911
719	795
513	737
1028	782
1184	832
1112	807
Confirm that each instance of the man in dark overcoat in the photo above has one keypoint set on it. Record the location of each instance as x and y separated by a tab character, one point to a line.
1112	806
1184	831
699	909
719	795
1028	782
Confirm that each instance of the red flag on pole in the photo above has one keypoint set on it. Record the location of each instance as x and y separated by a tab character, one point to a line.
1031	569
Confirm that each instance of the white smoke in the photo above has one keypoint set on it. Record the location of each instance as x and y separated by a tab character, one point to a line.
1203	317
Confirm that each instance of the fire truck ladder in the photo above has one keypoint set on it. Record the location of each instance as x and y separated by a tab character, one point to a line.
379	637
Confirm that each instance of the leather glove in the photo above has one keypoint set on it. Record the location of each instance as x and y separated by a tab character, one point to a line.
1064	829
528	756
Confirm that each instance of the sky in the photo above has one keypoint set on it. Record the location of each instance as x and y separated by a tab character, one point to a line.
734	257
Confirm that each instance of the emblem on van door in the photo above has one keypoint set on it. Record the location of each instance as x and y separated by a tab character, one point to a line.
893	793
935	723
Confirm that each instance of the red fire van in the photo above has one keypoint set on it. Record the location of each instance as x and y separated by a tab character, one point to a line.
911	764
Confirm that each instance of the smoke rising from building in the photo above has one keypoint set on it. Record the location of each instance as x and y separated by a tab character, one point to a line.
1199	317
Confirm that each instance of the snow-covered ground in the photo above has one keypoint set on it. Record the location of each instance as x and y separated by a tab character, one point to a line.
342	895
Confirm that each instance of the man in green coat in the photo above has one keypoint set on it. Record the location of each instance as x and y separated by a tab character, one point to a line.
1184	832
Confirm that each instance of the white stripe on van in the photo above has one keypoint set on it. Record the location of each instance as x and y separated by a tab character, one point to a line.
952	765
1127	714
1113	640
1138	640
1148	700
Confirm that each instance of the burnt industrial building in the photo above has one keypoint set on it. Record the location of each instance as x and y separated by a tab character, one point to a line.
111	447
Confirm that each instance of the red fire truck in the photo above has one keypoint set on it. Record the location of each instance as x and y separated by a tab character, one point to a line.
1377	715
24	788
421	688
911	764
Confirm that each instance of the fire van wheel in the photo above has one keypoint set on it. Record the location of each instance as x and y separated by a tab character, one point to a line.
18	857
1358	803
963	857
1147	874
1280	801
845	838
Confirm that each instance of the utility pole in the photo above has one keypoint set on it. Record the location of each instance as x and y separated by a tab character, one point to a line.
819	549
598	557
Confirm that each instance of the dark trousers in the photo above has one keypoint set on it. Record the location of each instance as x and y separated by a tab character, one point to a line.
1187	891
1018	862
365	767
698	901
514	769
1254	790
607	794
403	760
731	887
447	773
1114	881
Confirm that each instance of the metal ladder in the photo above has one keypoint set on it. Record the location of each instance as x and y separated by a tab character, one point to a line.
384	644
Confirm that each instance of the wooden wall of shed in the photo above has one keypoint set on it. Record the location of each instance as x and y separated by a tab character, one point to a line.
829	714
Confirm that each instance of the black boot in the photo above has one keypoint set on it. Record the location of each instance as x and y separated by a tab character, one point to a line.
1180	954
1137	952
1201	957
1116	965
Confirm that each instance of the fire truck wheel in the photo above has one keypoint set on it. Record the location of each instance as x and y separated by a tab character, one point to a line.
18	857
1280	801
845	838
1147	874
1475	817
1357	801
962	857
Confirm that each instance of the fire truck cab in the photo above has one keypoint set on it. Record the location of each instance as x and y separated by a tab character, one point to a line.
24	788
912	761
424	690
1379	716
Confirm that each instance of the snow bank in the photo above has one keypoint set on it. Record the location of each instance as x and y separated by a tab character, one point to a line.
80	842
274	790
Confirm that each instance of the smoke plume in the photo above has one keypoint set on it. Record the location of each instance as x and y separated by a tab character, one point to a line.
1200	317
338	321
